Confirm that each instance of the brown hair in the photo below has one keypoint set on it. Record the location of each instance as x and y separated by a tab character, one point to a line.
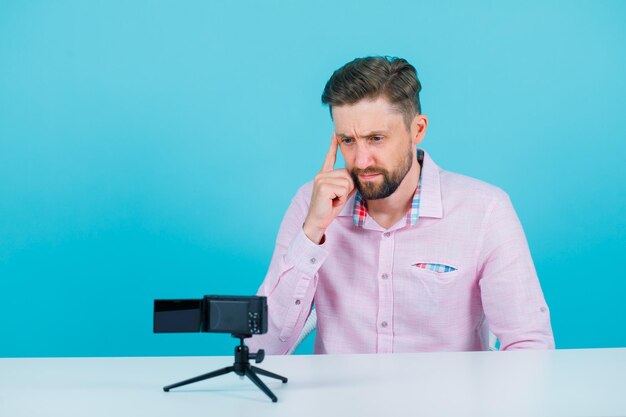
373	77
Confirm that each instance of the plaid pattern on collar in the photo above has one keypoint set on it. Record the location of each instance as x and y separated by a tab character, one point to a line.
359	213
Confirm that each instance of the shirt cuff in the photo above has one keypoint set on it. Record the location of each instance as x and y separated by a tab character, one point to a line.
304	255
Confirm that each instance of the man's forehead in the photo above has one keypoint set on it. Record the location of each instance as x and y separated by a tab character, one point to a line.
365	116
365	123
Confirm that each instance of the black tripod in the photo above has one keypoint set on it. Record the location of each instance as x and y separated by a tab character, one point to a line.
241	367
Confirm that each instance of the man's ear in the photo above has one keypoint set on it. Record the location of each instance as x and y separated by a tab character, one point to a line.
418	128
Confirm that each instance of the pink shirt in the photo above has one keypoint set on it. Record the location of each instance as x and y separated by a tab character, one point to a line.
374	292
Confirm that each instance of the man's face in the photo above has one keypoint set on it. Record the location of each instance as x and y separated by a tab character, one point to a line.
376	145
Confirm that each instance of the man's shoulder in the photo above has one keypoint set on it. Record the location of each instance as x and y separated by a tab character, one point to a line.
305	191
466	187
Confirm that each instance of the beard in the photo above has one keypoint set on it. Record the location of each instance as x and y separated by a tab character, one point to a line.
391	179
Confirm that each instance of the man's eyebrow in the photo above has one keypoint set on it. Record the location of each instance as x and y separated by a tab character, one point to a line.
366	135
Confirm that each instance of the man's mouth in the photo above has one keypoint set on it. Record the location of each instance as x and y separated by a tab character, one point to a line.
368	177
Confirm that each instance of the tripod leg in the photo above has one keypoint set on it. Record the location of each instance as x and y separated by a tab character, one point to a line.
268	373
200	378
257	381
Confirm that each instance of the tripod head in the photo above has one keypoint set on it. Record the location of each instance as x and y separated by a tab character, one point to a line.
243	355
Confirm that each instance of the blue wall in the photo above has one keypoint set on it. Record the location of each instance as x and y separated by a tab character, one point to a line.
149	150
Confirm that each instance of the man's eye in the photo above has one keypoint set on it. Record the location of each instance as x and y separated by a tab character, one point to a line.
346	141
377	139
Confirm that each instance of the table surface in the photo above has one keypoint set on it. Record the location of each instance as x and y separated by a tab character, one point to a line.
585	382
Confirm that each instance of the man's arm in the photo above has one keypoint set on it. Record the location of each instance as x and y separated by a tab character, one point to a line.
299	253
291	280
512	298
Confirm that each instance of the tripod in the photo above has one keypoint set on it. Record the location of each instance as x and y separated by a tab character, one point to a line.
241	367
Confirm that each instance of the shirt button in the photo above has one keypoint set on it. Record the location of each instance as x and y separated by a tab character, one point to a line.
384	276
298	302
384	324
387	234
543	309
313	260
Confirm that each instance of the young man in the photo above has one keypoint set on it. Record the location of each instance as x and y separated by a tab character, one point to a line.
396	254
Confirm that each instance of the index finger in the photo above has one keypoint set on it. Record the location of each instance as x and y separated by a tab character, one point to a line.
331	156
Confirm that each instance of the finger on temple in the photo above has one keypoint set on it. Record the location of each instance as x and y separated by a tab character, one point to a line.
331	156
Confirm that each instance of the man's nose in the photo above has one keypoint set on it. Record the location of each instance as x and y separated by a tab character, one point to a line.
363	157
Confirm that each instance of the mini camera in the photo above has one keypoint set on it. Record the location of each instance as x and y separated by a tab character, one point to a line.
238	315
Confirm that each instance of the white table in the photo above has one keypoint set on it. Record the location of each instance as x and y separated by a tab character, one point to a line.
589	382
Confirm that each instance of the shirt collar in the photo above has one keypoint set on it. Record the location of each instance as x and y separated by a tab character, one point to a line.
426	200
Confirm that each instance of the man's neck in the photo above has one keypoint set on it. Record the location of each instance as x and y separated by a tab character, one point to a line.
388	211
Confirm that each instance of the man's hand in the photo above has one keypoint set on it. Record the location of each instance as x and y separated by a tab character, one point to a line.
331	190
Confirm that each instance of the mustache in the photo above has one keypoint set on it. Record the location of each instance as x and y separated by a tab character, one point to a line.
368	171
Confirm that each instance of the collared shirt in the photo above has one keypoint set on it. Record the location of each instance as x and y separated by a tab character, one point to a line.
435	284
359	212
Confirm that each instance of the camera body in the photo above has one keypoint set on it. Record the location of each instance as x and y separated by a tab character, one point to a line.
239	315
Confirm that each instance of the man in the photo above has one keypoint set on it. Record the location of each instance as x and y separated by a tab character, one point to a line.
396	254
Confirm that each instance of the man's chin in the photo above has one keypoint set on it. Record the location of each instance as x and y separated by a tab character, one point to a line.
371	193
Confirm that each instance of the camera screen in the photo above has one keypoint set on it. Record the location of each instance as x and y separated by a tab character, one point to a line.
177	316
228	316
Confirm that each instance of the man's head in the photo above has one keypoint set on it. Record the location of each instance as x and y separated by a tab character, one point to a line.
374	103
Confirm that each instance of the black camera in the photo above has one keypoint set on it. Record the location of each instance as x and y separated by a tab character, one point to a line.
213	314
243	317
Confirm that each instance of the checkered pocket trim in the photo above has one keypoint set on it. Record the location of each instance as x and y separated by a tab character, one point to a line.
440	268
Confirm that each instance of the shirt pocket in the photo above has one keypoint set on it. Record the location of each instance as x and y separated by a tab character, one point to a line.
436	270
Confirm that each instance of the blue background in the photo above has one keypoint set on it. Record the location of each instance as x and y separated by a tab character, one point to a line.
149	149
